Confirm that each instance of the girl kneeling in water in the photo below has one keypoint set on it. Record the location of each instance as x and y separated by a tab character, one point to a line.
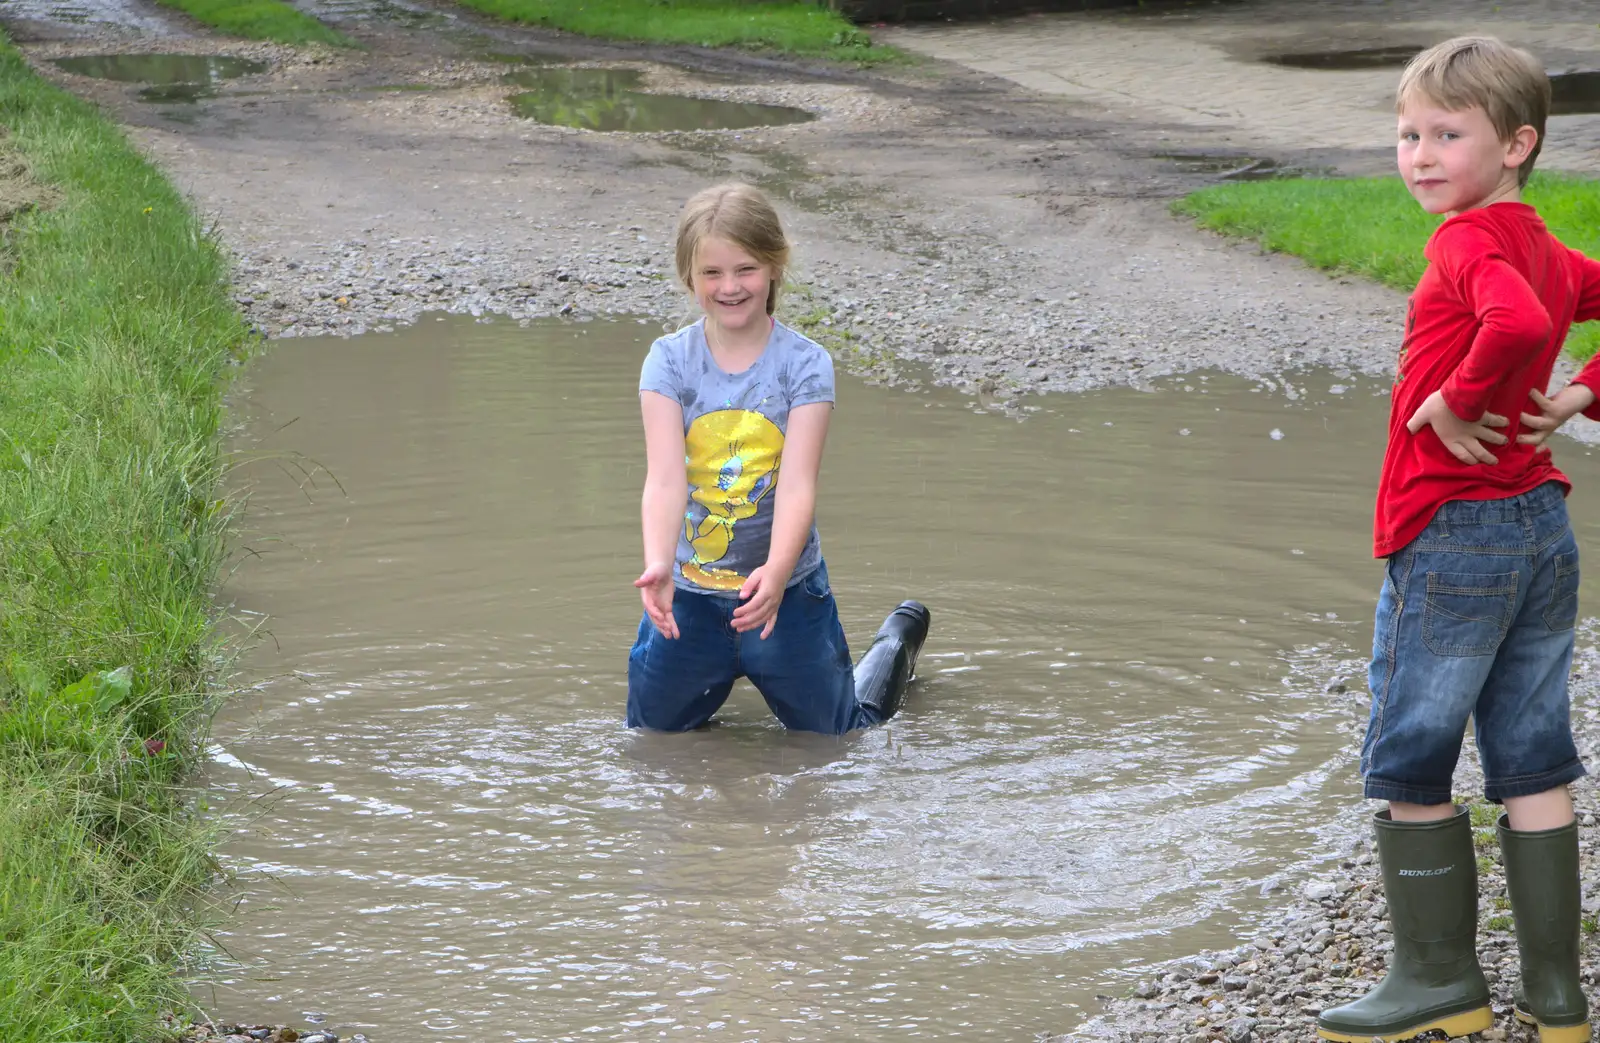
736	409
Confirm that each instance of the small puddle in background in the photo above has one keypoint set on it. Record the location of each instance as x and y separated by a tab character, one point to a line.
513	58
172	77
604	100
1574	93
1128	719
786	175
393	12
1226	167
1145	10
114	16
1362	58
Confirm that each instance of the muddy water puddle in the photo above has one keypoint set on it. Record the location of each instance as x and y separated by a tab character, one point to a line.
607	100
172	77
1128	723
1357	58
1228	167
389	12
1574	93
116	16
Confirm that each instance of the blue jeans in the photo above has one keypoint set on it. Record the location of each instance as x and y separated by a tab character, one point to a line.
1476	618
802	669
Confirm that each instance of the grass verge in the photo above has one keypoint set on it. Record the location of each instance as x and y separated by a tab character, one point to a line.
792	27
115	334
1372	227
260	20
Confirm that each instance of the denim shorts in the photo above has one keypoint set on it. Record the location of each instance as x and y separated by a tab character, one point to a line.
802	669
1476	619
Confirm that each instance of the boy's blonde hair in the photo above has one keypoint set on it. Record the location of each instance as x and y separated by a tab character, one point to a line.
1505	82
744	217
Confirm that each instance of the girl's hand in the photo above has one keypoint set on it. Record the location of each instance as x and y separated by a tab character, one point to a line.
762	593
1464	438
655	590
1553	412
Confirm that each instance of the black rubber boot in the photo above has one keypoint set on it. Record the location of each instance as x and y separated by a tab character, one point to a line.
1542	880
1430	879
887	667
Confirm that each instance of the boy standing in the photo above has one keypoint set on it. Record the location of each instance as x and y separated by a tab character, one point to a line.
1479	602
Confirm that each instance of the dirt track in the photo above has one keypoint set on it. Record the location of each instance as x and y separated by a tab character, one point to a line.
1008	241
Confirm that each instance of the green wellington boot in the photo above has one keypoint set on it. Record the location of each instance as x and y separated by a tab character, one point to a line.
1542	879
1430	878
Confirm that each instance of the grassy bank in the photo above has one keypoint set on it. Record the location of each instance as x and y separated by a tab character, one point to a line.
260	20
115	333
791	27
1372	227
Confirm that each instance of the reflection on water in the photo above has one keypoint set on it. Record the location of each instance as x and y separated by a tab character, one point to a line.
173	77
1123	725
603	99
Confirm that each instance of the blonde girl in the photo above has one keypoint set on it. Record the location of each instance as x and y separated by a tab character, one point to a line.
736	409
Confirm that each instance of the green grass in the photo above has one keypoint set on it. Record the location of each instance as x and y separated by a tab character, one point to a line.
260	20
792	27
1484	813
115	335
1373	228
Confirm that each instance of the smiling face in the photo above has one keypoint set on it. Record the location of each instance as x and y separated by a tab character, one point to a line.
1454	160
730	286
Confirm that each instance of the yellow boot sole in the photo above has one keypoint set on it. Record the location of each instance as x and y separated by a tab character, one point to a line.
1452	1026
1555	1033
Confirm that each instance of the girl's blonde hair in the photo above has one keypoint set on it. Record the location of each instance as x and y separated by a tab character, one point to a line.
744	217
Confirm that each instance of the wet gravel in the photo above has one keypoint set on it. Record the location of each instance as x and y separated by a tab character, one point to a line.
933	317
1331	943
210	1032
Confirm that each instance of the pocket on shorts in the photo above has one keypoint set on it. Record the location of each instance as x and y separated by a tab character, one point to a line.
1562	612
1466	613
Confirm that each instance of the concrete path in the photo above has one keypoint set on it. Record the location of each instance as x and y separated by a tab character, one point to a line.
1205	66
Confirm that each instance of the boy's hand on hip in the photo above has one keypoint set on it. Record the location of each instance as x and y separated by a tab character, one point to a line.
1464	438
762	593
655	590
1553	412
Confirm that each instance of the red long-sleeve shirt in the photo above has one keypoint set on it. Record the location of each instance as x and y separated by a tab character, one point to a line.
1485	326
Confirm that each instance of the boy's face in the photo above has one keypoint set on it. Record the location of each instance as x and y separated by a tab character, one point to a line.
1454	160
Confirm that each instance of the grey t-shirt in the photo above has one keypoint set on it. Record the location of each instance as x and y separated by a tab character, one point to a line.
733	428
